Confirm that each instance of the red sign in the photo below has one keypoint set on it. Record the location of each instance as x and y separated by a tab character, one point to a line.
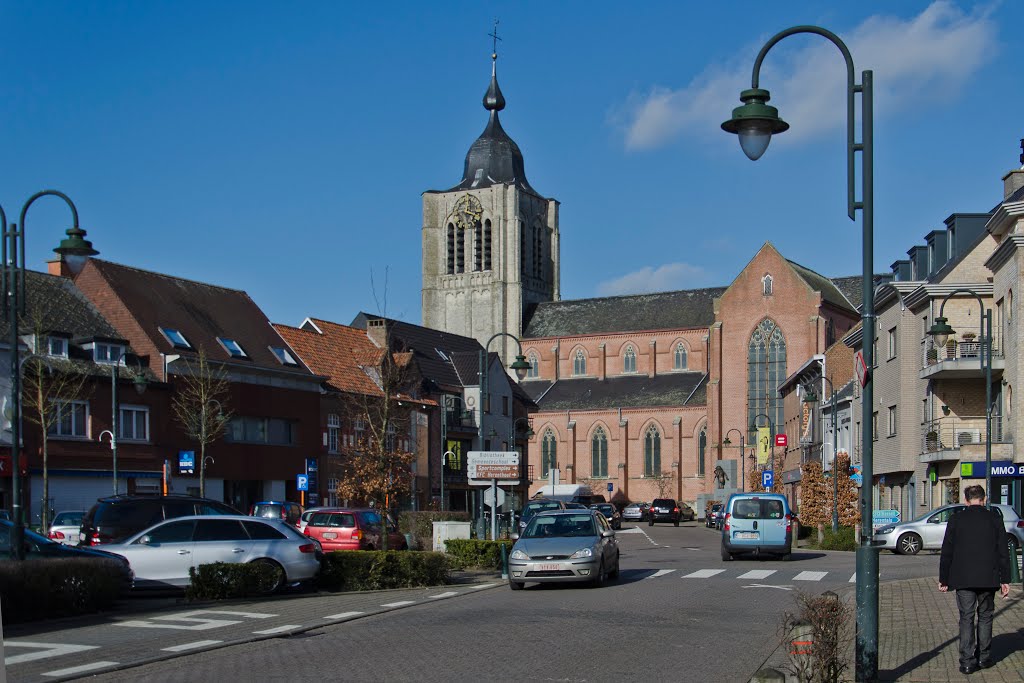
861	367
781	441
5	466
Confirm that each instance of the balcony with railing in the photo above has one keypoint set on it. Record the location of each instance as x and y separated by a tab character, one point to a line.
959	437
958	359
460	421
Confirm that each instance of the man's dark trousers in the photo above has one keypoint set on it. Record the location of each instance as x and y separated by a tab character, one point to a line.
975	647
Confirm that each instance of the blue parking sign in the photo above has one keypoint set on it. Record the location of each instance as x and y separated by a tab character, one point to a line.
302	482
611	487
768	479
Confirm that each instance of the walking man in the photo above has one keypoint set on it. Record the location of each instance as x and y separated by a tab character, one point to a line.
975	561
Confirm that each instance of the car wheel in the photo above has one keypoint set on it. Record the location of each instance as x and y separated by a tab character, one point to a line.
615	572
516	585
1011	542
599	578
726	555
909	544
786	557
279	576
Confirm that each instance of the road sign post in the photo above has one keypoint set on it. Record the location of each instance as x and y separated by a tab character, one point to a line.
767	479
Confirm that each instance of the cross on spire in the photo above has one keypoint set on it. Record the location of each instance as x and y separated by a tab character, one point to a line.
494	42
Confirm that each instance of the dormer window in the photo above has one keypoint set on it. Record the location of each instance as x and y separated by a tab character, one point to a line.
232	347
107	353
283	356
175	337
57	346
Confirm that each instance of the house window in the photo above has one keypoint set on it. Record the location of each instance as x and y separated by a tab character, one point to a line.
874	426
629	360
504	405
534	371
333	432
830	333
766	370
766	285
233	348
599	453
57	346
359	428
702	452
652	452
679	362
263	430
579	363
451	249
284	357
389	438
133	423
107	353
176	338
71	418
548	458
892	420
892	343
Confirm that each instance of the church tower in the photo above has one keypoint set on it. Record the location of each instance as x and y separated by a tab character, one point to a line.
490	244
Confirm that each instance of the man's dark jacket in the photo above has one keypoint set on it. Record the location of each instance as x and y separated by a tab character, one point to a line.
974	550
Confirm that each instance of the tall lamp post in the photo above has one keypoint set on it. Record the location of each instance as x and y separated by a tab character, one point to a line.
727	442
940	331
754	123
811	397
140	382
12	285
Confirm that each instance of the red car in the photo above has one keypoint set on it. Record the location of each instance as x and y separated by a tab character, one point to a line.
352	529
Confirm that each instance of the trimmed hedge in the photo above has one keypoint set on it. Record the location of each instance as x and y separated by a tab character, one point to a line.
46	589
478	553
421	524
843	539
223	581
365	570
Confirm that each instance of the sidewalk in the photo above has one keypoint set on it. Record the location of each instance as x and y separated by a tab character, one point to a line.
918	636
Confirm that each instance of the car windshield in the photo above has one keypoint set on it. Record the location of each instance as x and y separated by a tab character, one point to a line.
754	508
606	509
533	508
336	519
68	519
549	526
270	511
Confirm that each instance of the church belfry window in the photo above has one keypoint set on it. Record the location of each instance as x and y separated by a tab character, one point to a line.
451	249
487	245
766	370
652	452
460	251
629	360
538	250
579	363
599	453
478	247
548	460
679	360
523	270
534	371
766	285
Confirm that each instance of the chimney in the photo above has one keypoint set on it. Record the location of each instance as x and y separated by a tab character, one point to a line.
1014	180
59	267
376	330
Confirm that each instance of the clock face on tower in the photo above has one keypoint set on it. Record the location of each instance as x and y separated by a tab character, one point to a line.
468	212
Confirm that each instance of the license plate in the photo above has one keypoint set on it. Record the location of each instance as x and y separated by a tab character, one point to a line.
330	534
746	535
549	567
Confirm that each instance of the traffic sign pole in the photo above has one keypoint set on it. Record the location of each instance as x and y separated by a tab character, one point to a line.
494	510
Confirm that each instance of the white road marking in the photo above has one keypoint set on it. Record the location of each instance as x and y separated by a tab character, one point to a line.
768	585
193	622
442	595
343	615
190	646
400	603
853	579
757	574
660	572
277	629
703	574
46	650
630	530
485	585
810	576
80	669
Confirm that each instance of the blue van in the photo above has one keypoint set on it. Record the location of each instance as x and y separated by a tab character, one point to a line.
759	523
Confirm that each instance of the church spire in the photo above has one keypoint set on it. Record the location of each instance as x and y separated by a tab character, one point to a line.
493	99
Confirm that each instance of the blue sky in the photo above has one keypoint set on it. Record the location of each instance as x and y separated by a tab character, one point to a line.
281	148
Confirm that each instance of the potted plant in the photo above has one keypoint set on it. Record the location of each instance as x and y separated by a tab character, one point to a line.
931	440
969	336
932	356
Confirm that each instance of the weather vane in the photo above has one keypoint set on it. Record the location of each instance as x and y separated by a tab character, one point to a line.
494	43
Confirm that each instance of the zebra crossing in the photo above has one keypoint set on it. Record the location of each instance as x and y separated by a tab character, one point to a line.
756	575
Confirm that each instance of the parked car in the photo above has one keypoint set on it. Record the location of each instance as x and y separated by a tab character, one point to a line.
664	510
161	555
38	546
536	506
712	516
760	523
5	515
927	531
67	527
278	509
610	514
686	513
635	512
564	545
352	529
575	506
113	519
306	514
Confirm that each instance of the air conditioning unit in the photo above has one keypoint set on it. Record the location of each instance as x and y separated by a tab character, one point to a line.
964	436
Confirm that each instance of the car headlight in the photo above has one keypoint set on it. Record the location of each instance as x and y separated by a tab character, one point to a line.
583	552
885	530
519	555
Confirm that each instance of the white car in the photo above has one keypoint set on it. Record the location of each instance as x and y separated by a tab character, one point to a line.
927	531
162	555
307	515
66	527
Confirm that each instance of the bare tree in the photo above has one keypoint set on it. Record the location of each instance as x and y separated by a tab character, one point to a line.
664	482
200	405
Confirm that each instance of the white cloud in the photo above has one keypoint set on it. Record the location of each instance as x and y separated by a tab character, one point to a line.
664	278
926	58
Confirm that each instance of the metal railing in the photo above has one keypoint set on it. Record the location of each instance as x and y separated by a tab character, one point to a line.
461	420
950	433
967	349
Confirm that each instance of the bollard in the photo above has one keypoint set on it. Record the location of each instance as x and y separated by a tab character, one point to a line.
801	645
504	562
768	676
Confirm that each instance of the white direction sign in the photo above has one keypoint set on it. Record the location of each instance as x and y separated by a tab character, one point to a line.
486	465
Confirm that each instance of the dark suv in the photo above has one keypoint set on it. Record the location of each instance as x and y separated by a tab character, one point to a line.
663	510
290	513
116	518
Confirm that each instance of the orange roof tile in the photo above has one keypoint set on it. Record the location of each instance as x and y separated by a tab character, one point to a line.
338	352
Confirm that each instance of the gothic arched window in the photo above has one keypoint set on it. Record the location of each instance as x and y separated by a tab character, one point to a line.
830	333
548	458
629	360
766	285
478	246
766	370
652	452
679	363
534	370
487	244
579	363
460	250
702	452
599	453
451	249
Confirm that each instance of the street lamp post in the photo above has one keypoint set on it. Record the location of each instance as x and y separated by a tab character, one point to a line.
810	397
520	366
940	332
727	442
140	383
12	285
754	123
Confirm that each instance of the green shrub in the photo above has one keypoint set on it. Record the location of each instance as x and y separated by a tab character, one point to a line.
421	524
44	589
223	581
477	553
363	570
843	539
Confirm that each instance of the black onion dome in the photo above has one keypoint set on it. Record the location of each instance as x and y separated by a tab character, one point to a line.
494	158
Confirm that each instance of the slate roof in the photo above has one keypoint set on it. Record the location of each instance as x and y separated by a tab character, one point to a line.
629	313
54	304
200	311
830	293
670	389
337	352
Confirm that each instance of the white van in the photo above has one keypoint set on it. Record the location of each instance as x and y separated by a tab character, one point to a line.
568	493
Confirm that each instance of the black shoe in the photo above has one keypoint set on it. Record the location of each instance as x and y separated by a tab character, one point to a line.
986	665
968	670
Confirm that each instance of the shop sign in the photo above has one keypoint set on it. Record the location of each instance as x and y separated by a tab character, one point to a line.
1000	468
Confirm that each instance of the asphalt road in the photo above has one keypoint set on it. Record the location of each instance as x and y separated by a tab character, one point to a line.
677	613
